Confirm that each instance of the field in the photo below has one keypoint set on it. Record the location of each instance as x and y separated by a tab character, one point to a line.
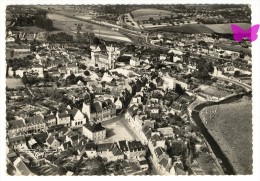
14	83
231	127
156	14
69	25
226	28
188	28
213	91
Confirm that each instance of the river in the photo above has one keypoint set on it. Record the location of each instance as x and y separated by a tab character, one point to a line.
226	165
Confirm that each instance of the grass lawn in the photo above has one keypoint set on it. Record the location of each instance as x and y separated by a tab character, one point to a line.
232	129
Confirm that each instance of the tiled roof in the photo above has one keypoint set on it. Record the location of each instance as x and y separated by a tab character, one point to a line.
143	162
123	146
159	151
63	115
67	145
104	147
49	117
95	127
163	162
97	107
155	137
116	151
74	111
132	110
34	120
50	139
90	146
22	168
16	124
41	138
17	138
135	146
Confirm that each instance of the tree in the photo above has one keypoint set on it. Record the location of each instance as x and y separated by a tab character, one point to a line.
179	89
87	73
210	67
236	73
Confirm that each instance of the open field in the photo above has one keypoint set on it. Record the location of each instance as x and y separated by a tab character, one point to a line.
188	28
226	28
145	14
70	26
213	91
231	127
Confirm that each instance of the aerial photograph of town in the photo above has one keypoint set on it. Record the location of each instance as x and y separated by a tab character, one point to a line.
128	90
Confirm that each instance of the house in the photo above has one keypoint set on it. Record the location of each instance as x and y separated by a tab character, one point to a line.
131	111
134	61
104	149
63	119
99	110
162	57
117	153
32	143
110	151
164	165
35	124
123	147
18	142
22	49
52	142
50	120
16	127
21	168
160	153
118	103
65	146
145	134
73	139
77	118
38	69
179	169
41	138
136	149
90	150
94	131
73	68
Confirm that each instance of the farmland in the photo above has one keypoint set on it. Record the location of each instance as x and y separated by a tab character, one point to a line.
226	28
69	25
156	14
231	127
187	28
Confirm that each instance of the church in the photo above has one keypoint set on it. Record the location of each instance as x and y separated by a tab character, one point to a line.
103	59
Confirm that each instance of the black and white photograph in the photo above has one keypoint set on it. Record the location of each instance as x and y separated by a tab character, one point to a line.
128	89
